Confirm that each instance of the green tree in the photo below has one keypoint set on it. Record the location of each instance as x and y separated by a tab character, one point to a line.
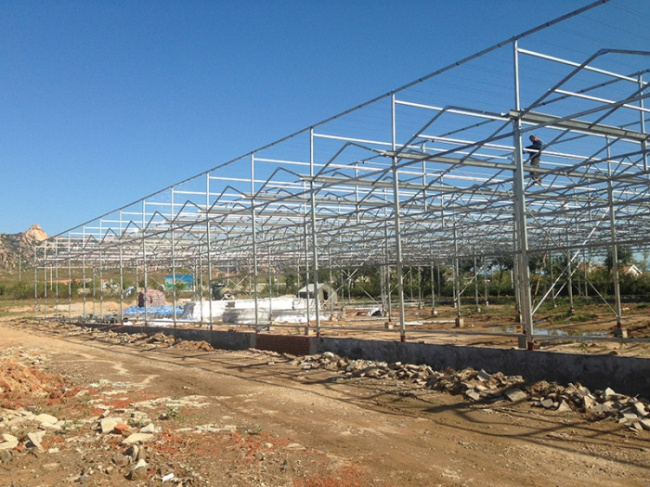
624	253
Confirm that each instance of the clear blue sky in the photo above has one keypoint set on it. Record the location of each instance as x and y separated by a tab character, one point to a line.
105	102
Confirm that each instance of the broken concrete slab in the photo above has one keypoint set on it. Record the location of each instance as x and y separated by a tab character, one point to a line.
629	416
515	395
546	403
9	442
640	408
35	439
107	425
473	395
483	375
137	438
46	418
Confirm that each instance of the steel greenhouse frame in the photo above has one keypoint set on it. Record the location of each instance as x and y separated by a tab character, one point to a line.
403	180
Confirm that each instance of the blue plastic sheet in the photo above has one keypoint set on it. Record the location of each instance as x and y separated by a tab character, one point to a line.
154	311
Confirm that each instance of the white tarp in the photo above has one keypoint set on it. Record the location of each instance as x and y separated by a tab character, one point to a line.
242	311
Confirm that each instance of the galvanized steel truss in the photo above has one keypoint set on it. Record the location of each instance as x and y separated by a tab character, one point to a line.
407	179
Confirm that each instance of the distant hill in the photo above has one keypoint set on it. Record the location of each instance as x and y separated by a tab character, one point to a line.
19	247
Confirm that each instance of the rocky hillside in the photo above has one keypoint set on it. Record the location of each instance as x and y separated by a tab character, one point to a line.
19	247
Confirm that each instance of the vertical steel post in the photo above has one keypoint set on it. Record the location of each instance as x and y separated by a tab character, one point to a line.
268	257
83	274
439	280
419	287
297	273
520	220
101	284
304	237
387	273
56	276
478	306
45	286
457	277
94	288
69	278
612	233
433	290
208	248
486	284
382	287
514	274
173	250
552	281
201	284
570	273
145	274
314	240
584	268
398	231
254	236
35	282
331	283
121	284
644	143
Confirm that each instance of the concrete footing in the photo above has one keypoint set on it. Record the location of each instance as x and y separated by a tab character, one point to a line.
521	342
460	322
620	332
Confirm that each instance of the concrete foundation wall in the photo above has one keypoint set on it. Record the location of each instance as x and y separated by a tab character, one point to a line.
294	345
226	340
627	375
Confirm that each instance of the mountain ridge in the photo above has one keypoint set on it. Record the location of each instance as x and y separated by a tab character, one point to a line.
18	248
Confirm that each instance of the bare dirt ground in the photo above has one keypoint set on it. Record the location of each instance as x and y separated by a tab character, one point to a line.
220	418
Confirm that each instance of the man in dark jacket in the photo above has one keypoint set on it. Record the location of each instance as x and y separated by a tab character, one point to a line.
534	151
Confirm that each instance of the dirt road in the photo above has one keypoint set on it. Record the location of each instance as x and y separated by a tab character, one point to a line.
219	418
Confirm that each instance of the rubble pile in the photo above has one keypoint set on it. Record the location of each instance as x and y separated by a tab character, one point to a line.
157	340
125	440
96	436
480	386
18	381
193	346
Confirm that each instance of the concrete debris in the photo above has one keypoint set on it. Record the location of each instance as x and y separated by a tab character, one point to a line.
9	442
107	425
640	408
35	440
481	386
139	471
111	432
46	418
546	403
473	395
516	395
150	428
140	434
193	346
482	375
137	438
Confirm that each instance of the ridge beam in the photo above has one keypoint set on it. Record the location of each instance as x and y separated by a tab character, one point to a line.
579	125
